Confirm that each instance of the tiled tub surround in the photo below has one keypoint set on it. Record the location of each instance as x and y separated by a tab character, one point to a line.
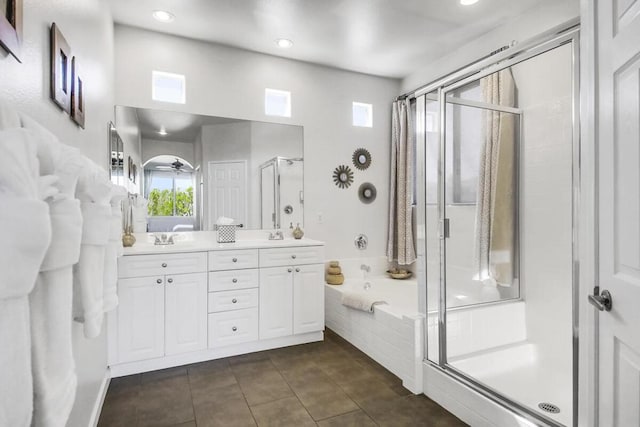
392	335
200	300
329	383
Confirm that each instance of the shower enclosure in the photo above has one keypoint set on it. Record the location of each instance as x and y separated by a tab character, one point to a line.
498	149
281	195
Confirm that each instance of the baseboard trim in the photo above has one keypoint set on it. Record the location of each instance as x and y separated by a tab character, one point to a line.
97	407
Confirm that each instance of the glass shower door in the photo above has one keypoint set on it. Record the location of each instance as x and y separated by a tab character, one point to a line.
505	203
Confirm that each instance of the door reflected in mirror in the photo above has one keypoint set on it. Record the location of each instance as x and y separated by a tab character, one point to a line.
199	168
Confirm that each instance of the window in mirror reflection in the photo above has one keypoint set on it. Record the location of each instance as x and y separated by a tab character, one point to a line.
277	102
168	187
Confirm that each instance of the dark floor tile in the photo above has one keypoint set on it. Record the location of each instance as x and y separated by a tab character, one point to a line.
205	382
282	413
265	387
120	403
352	419
322	405
163	374
409	411
208	367
370	394
249	357
251	369
226	406
187	424
165	402
311	380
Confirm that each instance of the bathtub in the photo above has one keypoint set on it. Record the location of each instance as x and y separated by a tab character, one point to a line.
392	335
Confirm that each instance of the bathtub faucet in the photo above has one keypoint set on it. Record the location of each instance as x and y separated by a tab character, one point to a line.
366	268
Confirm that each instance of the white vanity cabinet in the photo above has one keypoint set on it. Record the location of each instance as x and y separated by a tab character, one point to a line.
216	301
233	297
161	314
291	294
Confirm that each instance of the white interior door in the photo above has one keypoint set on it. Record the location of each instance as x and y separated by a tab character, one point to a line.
228	191
618	114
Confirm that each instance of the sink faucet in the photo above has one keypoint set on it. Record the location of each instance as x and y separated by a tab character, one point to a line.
276	235
163	239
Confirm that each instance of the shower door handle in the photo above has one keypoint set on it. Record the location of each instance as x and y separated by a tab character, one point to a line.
602	302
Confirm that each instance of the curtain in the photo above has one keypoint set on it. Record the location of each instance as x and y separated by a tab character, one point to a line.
495	210
400	245
148	177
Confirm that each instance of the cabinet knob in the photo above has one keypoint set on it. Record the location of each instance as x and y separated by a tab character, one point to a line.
234	329
235	260
164	264
293	256
289	270
159	281
297	270
234	300
170	280
235	280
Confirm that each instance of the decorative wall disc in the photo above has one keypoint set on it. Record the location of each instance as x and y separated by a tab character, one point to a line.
343	176
361	158
367	193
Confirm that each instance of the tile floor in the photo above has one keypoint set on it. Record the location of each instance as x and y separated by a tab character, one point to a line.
329	383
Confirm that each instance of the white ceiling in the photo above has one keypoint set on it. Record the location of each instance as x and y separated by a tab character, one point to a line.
180	127
383	37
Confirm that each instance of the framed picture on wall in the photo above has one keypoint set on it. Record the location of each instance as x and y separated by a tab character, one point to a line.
11	26
60	69
77	94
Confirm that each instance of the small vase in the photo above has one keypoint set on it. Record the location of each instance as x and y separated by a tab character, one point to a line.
128	239
297	232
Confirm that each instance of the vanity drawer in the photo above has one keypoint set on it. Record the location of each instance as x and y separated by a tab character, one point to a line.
233	300
233	327
233	279
153	265
231	260
274	257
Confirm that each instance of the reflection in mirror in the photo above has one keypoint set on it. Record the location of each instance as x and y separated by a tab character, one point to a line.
168	187
116	149
199	168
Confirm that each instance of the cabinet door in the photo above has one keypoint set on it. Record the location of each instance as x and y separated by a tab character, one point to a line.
308	299
140	318
186	313
276	302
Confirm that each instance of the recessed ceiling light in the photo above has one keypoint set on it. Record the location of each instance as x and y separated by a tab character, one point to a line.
284	43
163	16
162	131
468	2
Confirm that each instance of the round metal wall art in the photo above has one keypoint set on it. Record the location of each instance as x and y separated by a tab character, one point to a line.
343	176
367	193
361	158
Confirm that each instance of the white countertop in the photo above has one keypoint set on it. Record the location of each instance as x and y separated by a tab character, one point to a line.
200	241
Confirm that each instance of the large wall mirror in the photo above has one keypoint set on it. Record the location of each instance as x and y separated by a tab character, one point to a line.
200	168
116	156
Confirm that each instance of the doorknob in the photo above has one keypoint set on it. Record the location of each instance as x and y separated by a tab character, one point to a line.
602	302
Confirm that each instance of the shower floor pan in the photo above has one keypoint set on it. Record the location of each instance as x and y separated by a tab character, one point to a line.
518	372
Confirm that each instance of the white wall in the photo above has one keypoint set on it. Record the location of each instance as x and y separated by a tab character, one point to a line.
156	147
528	25
87	26
545	96
228	82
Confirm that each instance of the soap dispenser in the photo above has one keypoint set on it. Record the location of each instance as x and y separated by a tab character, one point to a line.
297	232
